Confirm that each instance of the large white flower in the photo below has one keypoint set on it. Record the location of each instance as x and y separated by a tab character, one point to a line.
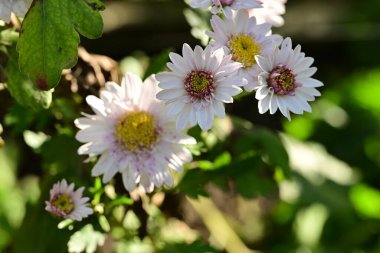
225	5
243	39
133	134
197	85
270	12
19	7
66	203
285	82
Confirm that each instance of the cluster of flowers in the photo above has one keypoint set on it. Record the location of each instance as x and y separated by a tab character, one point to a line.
137	126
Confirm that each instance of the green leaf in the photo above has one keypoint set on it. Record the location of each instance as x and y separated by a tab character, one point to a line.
96	4
254	182
87	239
22	89
366	200
120	201
157	63
49	39
194	247
8	36
104	224
273	147
55	153
222	160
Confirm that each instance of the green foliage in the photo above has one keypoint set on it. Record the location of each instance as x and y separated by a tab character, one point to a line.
49	39
366	200
194	247
253	176
86	239
319	193
157	63
22	89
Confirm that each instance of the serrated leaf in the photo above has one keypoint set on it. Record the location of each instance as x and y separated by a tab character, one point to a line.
22	89
49	38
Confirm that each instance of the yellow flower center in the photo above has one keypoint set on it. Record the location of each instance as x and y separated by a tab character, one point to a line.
244	49
64	203
136	131
199	84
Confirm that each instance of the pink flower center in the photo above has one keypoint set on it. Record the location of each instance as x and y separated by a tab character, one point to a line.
199	84
282	80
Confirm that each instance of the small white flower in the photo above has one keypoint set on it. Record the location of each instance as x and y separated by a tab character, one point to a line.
270	12
133	134
225	5
285	82
66	203
243	39
197	85
19	7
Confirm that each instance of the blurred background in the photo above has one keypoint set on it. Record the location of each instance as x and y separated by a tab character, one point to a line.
259	183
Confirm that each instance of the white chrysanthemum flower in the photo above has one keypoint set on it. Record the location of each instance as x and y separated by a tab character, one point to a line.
243	39
133	134
66	203
197	85
19	7
285	82
225	5
270	12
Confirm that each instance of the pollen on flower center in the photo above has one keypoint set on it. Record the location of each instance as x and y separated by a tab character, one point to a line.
199	84
64	203
282	80
244	49
136	131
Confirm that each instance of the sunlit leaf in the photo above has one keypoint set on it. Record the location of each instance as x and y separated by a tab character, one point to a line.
87	239
22	89
120	201
49	39
366	200
104	224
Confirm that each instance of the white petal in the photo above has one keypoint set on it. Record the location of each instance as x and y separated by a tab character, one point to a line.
170	94
273	104
169	81
262	92
264	63
311	82
92	148
263	105
218	109
129	180
92	134
103	164
205	118
96	104
183	118
306	73
173	108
